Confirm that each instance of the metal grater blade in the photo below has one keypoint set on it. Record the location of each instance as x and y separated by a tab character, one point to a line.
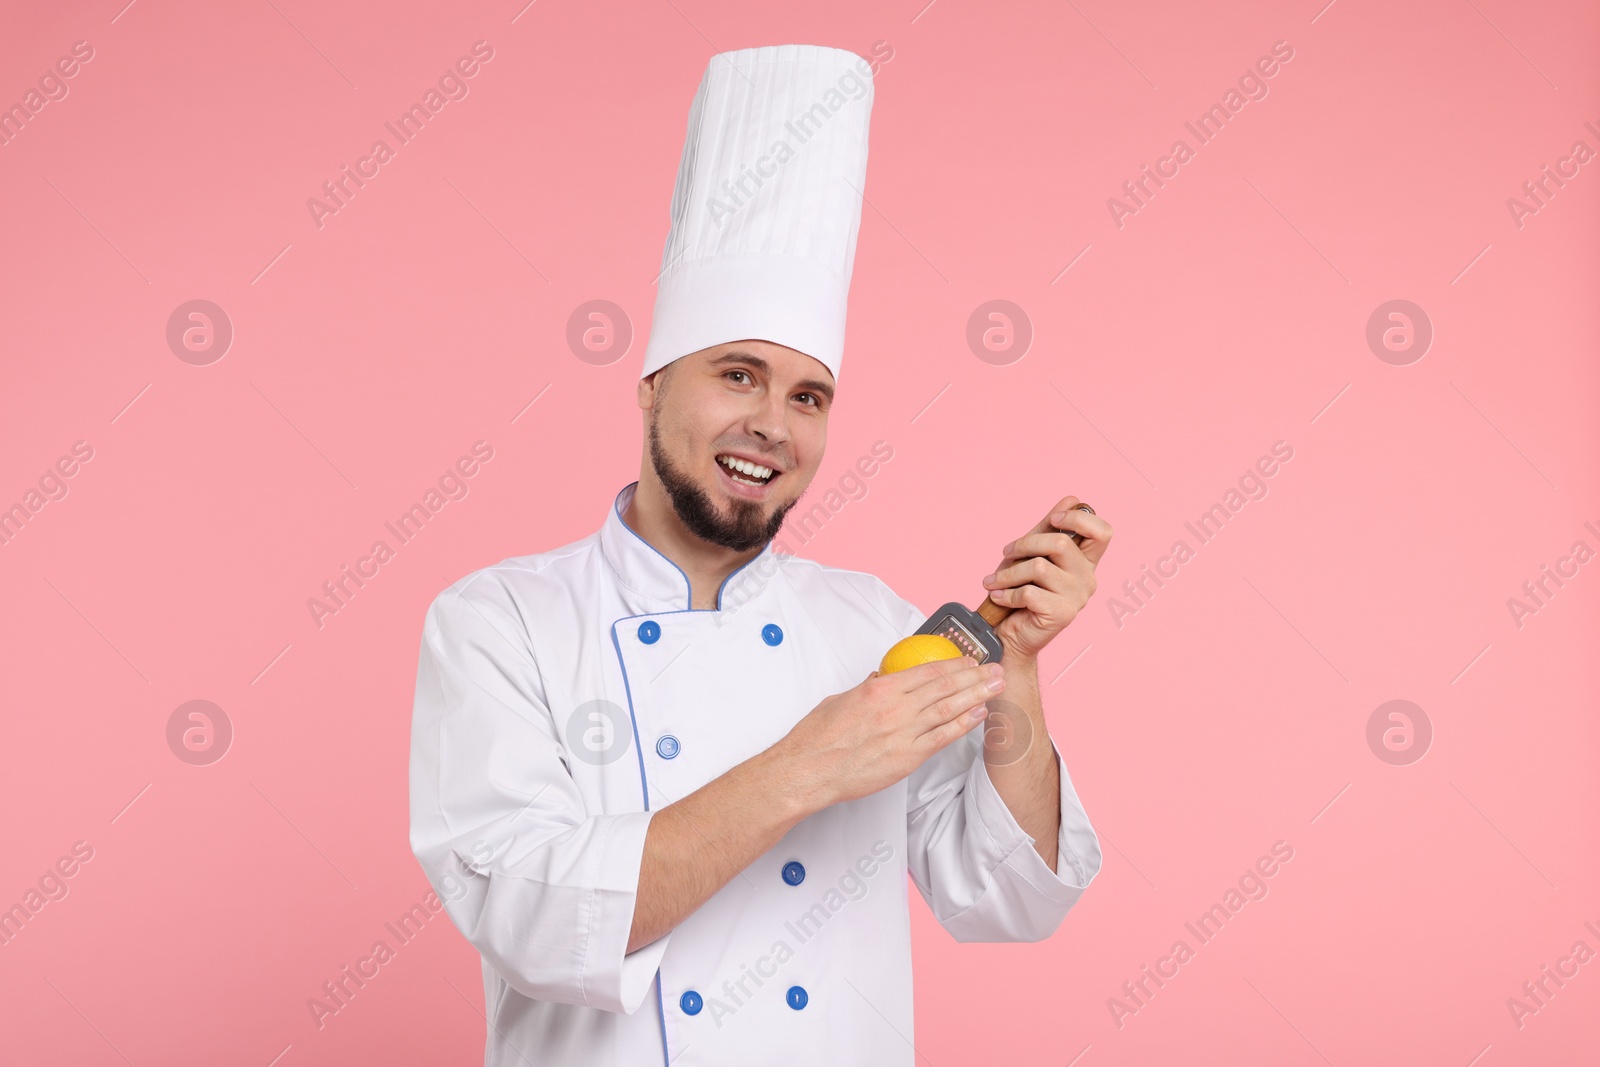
964	639
966	629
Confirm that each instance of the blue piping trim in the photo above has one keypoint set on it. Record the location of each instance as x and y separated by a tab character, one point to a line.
686	584
633	719
731	573
627	686
644	788
644	783
663	1019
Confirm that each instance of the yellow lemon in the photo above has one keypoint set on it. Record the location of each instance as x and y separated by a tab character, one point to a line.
918	648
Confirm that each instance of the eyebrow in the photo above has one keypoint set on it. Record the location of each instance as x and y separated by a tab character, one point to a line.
766	368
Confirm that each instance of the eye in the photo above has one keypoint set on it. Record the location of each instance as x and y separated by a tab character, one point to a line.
815	400
745	373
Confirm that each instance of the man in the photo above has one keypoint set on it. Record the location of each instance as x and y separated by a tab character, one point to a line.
654	775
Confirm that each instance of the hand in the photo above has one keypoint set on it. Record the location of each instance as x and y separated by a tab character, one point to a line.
870	737
1046	578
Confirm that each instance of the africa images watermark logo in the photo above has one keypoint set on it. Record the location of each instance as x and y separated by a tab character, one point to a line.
452	485
51	886
199	732
339	991
199	332
1251	886
599	732
1537	592
1538	992
1252	485
599	332
999	332
1538	192
805	524
852	885
1252	85
52	485
451	85
52	87
851	86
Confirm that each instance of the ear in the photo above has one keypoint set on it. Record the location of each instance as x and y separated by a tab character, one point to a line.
647	392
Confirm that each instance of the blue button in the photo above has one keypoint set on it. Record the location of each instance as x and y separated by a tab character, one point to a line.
667	747
691	1003
772	634
793	872
796	996
649	632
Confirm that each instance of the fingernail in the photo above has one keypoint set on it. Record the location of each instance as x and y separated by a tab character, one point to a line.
979	712
990	578
1058	516
996	684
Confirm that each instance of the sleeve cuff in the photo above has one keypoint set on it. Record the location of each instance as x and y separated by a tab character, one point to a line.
1077	848
621	979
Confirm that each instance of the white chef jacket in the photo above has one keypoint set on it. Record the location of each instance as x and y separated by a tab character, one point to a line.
564	697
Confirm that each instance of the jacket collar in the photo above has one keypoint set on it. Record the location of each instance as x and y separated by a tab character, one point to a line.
642	569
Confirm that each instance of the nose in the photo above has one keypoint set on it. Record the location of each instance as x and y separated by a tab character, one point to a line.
769	422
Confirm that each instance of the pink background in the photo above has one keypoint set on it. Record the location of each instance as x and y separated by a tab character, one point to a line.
1230	712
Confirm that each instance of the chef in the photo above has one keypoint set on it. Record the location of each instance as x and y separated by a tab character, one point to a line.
655	776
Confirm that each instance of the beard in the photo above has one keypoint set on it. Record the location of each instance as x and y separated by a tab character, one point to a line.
743	530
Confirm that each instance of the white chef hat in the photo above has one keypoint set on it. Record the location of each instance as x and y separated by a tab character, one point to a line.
767	204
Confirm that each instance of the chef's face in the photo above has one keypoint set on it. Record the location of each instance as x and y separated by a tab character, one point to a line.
750	401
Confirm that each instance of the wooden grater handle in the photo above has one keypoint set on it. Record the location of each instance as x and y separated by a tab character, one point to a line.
993	613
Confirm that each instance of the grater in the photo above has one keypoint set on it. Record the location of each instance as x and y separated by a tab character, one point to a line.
973	631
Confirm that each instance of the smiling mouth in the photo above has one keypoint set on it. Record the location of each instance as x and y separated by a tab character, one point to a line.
746	473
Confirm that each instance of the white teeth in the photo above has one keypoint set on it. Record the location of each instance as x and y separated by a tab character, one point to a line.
744	465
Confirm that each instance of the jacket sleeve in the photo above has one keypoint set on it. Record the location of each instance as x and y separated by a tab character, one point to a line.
542	887
973	863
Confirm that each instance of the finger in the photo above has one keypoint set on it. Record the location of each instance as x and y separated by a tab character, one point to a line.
954	695
1088	526
1066	515
1095	532
1039	573
942	735
1035	569
1042	602
1045	525
1092	532
915	677
1056	545
968	674
1066	503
